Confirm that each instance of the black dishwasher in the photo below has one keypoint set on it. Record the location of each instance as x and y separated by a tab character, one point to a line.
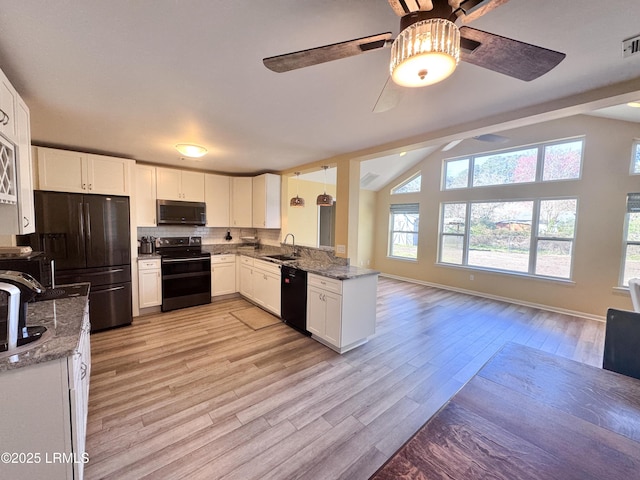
293	303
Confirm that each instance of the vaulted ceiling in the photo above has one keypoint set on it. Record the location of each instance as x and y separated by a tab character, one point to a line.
133	78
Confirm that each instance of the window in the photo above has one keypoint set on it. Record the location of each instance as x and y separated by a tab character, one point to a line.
539	163
403	238
635	158
529	236
412	185
631	261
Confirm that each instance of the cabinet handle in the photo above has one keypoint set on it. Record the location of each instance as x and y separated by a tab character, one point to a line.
83	370
5	118
90	187
26	222
84	186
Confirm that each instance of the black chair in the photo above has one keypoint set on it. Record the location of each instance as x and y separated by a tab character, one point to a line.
622	343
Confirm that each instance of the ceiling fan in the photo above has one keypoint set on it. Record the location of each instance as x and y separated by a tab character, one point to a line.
430	45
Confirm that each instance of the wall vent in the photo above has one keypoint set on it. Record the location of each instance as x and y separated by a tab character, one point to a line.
631	46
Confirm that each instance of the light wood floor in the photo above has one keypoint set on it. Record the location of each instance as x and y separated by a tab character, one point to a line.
197	394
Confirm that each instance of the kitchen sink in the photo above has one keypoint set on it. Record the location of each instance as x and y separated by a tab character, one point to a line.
282	257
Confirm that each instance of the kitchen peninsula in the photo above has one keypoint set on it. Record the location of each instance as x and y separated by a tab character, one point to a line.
45	391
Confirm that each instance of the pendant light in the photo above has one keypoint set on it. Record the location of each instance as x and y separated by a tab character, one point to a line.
324	200
297	201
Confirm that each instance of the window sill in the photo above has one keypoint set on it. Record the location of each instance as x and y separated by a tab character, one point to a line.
562	281
403	259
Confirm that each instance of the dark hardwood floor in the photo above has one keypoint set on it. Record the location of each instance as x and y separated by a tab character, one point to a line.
196	393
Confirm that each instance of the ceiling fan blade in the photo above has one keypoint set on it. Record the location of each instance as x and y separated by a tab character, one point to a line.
403	7
507	56
389	97
327	53
474	9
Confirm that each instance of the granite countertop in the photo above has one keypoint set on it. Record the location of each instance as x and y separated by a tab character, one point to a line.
63	318
319	266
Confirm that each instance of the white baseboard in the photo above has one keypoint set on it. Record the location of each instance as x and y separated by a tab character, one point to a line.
499	298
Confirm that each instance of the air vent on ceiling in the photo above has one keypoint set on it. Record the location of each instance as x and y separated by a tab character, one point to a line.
631	46
367	179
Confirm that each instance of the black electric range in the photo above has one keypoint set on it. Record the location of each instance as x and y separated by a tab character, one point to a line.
186	272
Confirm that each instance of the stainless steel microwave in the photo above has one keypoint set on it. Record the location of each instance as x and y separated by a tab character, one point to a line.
173	212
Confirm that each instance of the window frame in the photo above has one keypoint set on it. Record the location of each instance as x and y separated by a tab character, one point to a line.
407	181
539	164
635	150
626	242
535	237
410	208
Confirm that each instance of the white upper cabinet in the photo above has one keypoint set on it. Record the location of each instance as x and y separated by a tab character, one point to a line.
266	201
183	185
77	172
241	204
8	99
217	195
145	196
26	214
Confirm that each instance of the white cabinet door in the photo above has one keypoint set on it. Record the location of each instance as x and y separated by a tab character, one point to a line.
241	202
217	195
223	278
145	196
315	311
246	281
168	184
77	172
8	98
272	295
26	215
266	201
192	186
62	170
182	185
150	287
333	318
108	175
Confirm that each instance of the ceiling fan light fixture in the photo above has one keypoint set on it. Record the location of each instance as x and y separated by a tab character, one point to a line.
190	150
425	53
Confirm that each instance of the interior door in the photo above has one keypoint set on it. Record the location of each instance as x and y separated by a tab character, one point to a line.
106	220
59	228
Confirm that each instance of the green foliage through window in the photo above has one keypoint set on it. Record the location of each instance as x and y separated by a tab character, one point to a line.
403	232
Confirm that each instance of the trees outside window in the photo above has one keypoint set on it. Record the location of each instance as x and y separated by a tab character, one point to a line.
403	232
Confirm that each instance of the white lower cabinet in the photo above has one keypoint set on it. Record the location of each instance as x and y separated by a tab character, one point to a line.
341	313
46	419
260	283
149	282
223	274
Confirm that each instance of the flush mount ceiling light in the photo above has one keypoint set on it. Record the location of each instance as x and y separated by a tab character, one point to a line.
297	201
323	199
425	53
189	150
634	104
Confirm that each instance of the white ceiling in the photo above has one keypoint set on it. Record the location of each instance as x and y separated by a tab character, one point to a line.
133	78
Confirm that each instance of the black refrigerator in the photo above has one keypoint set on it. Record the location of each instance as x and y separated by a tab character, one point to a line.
89	239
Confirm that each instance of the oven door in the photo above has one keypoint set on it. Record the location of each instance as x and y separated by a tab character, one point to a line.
185	282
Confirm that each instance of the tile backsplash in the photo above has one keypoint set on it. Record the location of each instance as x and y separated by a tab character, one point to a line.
210	236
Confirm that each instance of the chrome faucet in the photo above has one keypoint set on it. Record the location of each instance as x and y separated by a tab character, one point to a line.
293	242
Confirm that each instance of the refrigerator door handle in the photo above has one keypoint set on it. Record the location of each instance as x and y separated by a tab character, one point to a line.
87	221
112	289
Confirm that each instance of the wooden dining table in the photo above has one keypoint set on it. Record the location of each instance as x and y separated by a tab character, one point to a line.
528	414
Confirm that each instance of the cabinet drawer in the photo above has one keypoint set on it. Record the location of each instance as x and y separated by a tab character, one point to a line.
149	264
244	260
268	267
224	258
325	283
